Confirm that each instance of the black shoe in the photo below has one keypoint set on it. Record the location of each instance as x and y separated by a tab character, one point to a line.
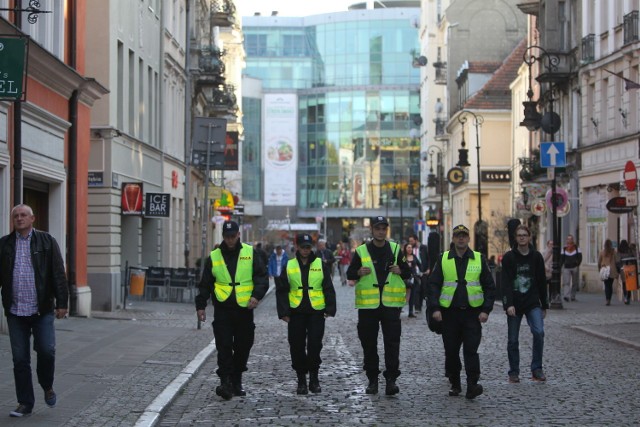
225	389
21	411
456	388
473	391
314	383
302	384
372	388
412	315
391	388
236	382
50	398
566	299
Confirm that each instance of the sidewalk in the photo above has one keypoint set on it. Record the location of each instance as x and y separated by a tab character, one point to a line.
112	367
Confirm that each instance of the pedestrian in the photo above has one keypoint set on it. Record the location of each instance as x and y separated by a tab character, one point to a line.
461	293
343	255
626	257
261	253
524	293
547	255
235	280
305	297
277	260
378	271
608	259
421	251
34	290
413	282
570	260
325	254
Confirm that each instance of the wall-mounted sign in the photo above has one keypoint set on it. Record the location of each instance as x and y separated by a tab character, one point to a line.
157	205
13	63
131	198
495	176
96	179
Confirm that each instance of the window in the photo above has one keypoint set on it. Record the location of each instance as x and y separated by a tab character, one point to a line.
595	239
49	30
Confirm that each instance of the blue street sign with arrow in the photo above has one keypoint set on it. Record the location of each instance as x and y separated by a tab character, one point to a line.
553	155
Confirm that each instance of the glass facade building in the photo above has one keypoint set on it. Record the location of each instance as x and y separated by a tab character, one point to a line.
358	108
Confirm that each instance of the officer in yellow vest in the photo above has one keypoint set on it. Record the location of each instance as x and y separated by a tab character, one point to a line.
461	292
236	281
305	296
378	270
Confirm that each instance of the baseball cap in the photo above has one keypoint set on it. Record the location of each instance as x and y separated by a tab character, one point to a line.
375	220
230	228
460	229
304	240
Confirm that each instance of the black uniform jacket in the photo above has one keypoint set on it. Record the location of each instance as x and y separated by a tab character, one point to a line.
230	256
283	287
460	297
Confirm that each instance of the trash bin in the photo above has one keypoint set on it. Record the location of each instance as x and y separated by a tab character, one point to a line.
630	277
136	283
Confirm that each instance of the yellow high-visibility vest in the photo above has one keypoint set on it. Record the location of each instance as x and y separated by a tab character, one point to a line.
367	288
316	294
472	276
242	283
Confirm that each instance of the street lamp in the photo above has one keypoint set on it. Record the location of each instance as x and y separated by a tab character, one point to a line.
431	183
481	231
550	123
324	219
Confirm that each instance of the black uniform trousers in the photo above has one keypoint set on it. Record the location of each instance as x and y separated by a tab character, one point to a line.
305	333
369	321
461	327
234	332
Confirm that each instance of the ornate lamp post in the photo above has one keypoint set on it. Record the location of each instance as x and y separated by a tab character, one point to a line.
480	228
550	123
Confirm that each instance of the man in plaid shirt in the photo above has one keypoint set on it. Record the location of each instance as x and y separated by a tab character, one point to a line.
34	289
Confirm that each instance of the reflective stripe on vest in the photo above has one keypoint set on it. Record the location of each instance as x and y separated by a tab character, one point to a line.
472	277
316	295
368	290
242	283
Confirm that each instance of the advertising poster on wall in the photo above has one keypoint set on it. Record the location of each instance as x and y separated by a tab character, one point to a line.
131	198
280	149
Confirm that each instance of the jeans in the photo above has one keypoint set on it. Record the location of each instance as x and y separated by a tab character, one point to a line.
44	343
570	282
608	288
536	324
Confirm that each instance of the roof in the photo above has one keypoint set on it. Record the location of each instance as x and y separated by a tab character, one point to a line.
496	93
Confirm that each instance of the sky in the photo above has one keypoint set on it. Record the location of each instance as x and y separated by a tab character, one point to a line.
292	7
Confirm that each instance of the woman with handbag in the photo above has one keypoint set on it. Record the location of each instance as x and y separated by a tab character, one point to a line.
413	283
607	261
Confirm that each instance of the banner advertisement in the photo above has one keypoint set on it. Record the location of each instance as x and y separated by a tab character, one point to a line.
280	149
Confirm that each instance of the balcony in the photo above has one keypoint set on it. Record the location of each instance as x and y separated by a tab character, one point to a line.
223	13
223	100
630	24
441	73
210	67
588	49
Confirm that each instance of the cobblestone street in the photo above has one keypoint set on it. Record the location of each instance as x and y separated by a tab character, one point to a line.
591	381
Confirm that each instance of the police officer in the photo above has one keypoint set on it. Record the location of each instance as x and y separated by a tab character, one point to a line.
378	270
461	292
305	296
236	281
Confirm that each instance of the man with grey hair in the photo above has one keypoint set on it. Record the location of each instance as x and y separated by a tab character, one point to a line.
34	289
325	254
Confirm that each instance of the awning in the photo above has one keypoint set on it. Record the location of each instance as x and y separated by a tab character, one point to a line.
294	226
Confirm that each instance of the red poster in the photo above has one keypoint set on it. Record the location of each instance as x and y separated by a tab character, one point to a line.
131	198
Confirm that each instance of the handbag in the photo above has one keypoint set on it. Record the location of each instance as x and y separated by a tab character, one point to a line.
605	271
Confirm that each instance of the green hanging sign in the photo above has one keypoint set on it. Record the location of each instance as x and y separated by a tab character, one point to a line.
13	64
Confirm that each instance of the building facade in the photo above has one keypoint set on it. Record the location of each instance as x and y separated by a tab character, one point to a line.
44	138
340	119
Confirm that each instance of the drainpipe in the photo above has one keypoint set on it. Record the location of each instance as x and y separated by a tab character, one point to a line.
72	178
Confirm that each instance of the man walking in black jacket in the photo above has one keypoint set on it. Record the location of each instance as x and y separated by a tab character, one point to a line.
236	280
524	287
305	296
34	291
